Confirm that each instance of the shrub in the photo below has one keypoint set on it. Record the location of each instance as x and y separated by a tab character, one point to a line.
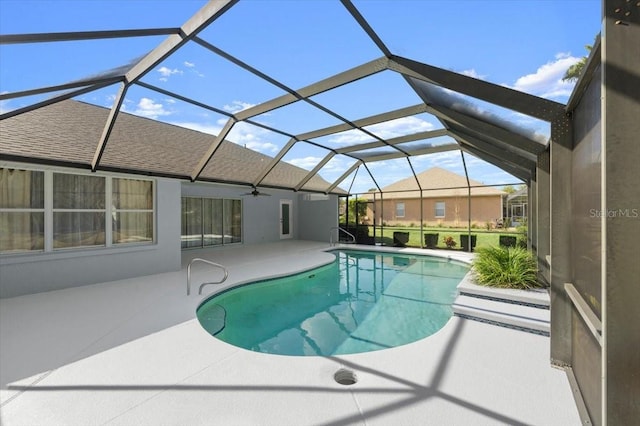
506	267
449	242
522	235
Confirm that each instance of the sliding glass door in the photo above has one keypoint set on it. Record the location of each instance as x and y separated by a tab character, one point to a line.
210	222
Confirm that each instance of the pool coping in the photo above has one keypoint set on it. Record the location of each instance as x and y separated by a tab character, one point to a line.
143	358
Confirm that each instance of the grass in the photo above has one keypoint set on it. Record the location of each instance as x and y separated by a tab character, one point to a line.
506	267
416	238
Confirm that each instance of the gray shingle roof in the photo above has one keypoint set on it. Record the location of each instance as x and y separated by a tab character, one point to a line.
437	182
68	133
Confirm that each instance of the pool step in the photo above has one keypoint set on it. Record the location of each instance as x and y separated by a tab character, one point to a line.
537	297
533	319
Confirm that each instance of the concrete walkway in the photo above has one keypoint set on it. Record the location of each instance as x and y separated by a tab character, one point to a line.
131	352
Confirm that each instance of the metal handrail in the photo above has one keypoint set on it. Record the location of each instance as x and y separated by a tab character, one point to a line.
586	313
331	242
197	259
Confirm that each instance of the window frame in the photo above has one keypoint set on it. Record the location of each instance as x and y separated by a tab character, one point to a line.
114	210
108	211
435	209
29	210
224	226
398	204
50	192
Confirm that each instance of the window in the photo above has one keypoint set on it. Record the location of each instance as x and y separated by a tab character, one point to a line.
78	210
46	211
519	210
399	209
232	215
439	209
210	222
132	211
21	210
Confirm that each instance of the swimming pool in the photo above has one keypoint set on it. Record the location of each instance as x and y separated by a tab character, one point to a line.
364	301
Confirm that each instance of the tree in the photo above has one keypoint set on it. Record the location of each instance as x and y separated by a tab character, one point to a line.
574	71
359	203
509	189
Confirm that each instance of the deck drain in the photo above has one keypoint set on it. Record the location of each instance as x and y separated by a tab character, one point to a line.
345	377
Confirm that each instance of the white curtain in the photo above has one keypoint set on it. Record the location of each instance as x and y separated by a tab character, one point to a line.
132	210
20	190
78	227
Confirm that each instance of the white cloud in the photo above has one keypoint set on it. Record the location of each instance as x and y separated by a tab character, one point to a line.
350	137
399	127
150	109
387	130
251	137
212	129
547	81
307	163
167	72
192	68
473	73
237	106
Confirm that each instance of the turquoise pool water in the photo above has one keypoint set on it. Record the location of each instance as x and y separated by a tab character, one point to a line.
364	301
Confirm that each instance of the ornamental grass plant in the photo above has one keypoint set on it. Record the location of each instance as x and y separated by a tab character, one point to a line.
506	267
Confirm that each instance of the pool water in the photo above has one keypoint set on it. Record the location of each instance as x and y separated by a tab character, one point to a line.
364	301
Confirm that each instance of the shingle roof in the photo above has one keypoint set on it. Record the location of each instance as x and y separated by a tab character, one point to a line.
68	133
437	182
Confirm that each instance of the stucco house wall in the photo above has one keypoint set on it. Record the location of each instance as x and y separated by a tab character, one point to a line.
483	209
27	273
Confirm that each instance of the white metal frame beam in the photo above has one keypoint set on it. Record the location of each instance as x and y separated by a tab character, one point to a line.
206	15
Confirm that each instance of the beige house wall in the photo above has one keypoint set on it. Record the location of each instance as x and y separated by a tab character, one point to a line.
483	209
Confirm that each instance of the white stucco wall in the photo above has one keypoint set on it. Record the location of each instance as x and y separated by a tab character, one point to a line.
260	215
38	272
316	218
29	273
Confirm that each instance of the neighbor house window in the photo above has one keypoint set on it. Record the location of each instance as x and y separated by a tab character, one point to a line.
47	210
439	209
399	209
21	210
210	222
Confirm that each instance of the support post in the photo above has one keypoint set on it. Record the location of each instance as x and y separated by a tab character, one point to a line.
561	239
543	216
621	212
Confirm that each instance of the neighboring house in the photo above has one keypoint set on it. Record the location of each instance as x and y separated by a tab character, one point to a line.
400	204
515	206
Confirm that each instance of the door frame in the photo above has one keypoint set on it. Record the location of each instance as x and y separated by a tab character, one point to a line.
281	223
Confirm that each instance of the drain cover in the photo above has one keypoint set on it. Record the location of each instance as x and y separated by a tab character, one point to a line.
345	377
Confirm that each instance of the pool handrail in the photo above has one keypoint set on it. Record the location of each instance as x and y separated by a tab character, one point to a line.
197	259
332	243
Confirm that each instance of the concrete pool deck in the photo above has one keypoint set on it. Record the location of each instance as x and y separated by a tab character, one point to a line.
131	352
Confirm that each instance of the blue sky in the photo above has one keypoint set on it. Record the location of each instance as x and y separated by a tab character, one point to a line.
525	45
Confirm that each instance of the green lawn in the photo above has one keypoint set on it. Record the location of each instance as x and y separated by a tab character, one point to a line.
483	236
